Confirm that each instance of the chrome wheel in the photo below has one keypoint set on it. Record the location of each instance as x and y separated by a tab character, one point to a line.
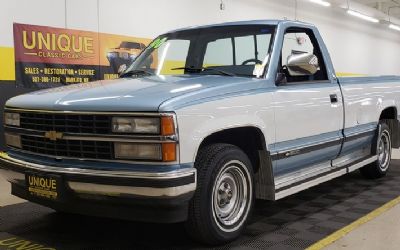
384	150
232	193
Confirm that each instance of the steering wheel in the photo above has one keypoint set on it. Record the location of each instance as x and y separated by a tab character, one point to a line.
256	61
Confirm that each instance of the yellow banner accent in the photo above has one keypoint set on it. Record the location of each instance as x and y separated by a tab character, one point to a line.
7	64
346	74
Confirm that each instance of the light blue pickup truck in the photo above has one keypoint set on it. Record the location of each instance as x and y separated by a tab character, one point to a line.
203	122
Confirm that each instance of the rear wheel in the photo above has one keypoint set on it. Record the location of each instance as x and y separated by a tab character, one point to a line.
224	197
383	145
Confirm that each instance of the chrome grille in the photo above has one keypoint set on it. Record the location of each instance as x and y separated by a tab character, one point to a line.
67	123
75	134
68	148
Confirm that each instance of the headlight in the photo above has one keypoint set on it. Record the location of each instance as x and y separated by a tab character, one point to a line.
13	140
136	125
12	119
145	151
163	125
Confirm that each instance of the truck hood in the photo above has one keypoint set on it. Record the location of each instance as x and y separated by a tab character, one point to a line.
154	93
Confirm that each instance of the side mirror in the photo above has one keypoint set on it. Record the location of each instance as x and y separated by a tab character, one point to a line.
304	64
281	78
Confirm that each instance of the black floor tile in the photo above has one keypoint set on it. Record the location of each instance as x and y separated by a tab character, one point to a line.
292	223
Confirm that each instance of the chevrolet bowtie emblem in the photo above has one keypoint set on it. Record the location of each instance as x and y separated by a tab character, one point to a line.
53	135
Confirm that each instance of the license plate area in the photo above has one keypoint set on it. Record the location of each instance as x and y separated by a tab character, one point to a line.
47	186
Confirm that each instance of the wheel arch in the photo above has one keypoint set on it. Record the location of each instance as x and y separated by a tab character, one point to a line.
250	139
389	115
257	152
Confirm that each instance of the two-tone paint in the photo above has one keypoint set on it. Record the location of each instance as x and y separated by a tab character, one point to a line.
307	137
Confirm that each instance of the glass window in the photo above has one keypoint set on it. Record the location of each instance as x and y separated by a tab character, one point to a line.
263	43
300	41
219	53
245	50
170	55
225	50
296	43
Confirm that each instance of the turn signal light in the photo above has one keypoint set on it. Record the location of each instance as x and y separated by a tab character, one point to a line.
167	125
168	151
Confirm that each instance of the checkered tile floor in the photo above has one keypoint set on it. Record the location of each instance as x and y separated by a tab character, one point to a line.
292	223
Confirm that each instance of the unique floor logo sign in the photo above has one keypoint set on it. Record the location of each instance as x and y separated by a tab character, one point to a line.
47	56
16	243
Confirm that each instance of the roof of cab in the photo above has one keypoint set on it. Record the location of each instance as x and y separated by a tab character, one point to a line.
250	22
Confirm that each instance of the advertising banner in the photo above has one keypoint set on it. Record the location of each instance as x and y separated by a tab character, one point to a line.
50	57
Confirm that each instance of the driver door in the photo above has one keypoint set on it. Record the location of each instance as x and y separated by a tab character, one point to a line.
308	113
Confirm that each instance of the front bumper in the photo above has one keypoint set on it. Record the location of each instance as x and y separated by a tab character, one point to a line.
160	197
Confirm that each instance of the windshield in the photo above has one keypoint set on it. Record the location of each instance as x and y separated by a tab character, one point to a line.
240	50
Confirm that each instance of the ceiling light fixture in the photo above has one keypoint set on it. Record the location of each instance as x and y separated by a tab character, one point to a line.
362	16
321	2
394	27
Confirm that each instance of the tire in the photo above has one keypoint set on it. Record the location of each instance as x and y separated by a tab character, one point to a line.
224	197
383	145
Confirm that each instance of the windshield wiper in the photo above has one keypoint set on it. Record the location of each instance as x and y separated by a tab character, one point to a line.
202	69
135	72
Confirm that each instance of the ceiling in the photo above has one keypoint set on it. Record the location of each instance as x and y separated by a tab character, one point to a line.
386	6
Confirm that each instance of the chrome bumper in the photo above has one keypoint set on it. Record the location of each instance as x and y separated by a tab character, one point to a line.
107	183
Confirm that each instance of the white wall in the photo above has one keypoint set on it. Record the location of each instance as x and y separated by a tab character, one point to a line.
39	12
356	46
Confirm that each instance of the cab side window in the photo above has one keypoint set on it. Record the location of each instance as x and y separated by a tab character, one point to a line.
301	58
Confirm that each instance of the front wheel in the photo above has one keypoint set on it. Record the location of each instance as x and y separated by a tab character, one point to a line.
224	197
383	144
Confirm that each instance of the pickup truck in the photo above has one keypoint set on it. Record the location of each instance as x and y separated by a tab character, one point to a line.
206	120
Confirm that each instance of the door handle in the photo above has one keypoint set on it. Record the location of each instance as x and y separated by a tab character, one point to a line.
334	98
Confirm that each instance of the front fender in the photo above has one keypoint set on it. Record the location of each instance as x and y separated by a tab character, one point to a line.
197	122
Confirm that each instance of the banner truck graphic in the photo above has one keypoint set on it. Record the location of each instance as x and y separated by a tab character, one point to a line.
50	57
